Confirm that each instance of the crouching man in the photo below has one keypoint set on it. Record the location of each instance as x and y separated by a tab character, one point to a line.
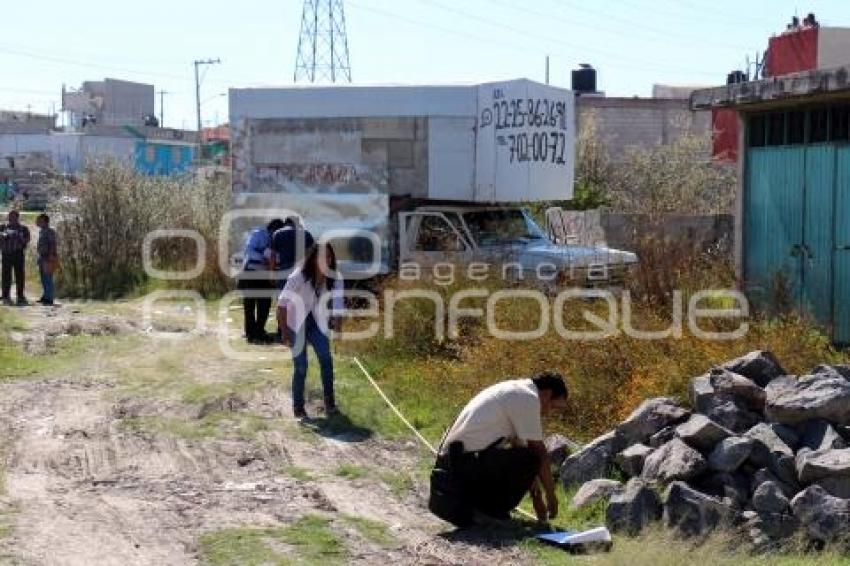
494	453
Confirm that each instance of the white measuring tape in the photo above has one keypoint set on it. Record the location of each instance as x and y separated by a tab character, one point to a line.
418	434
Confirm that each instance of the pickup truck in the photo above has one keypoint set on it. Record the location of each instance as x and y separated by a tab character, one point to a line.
508	237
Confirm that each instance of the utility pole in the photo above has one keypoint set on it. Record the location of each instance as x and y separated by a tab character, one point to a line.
547	69
198	64
162	94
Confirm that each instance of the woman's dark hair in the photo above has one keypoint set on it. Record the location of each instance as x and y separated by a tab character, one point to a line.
275	225
551	381
311	267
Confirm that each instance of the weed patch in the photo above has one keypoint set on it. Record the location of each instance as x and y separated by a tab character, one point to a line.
351	471
309	540
373	531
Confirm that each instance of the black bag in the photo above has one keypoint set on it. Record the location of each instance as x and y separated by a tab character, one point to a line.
447	499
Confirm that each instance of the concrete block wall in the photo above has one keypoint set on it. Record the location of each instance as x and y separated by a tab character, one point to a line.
389	155
641	122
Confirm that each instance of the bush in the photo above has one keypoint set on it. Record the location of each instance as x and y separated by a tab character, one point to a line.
680	177
103	219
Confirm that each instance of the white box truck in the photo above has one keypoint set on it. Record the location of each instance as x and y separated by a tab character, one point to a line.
424	174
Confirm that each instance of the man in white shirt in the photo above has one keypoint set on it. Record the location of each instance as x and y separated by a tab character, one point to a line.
494	453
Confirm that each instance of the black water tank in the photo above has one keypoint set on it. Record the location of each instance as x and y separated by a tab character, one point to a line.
736	77
584	79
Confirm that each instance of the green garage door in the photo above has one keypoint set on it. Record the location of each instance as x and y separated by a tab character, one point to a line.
841	291
818	235
797	213
773	226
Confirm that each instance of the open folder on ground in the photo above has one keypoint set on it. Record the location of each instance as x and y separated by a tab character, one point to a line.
580	542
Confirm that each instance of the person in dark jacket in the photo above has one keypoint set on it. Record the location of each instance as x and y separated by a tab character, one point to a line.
48	258
256	279
14	239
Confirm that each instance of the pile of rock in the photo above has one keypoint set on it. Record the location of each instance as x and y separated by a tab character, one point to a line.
761	450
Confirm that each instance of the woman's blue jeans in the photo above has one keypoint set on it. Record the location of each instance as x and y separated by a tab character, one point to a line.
310	333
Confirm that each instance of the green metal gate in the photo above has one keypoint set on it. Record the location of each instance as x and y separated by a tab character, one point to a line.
841	290
773	227
797	220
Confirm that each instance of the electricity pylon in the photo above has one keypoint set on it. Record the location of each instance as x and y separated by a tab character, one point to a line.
323	43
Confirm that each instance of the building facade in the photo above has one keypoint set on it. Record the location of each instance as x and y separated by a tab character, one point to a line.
792	238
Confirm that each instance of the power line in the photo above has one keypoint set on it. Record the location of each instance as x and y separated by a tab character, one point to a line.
655	36
104	67
732	22
573	46
632	25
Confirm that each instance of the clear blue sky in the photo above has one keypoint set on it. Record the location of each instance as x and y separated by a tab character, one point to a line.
633	43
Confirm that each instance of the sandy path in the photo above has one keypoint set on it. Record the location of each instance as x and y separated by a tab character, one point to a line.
87	490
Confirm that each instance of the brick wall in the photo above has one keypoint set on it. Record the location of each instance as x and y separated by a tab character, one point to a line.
641	122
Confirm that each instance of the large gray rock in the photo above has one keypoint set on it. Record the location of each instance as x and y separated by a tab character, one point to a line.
762	475
591	462
730	413
836	487
662	437
785	468
730	453
632	458
700	393
738	387
825	518
733	488
770	498
596	490
819	434
673	461
794	401
814	465
634	509
767	444
760	366
767	529
787	434
693	513
833	370
650	417
559	448
702	433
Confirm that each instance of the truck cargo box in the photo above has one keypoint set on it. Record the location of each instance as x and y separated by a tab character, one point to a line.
497	142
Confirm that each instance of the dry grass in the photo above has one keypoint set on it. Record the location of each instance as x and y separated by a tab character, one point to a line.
103	220
608	377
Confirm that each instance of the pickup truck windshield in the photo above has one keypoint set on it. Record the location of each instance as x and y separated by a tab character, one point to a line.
499	227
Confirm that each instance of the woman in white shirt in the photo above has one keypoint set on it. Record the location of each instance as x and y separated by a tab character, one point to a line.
305	316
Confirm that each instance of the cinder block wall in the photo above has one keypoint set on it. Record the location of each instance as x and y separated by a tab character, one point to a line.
333	155
641	122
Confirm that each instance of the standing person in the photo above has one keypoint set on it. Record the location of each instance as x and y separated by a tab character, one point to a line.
289	245
4	191
48	258
494	453
256	277
14	239
303	317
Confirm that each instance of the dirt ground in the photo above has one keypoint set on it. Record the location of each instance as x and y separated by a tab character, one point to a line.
132	452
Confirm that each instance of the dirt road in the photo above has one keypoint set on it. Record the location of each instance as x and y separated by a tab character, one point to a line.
150	451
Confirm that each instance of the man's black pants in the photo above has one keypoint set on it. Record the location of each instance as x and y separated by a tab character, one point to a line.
13	263
495	480
256	307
